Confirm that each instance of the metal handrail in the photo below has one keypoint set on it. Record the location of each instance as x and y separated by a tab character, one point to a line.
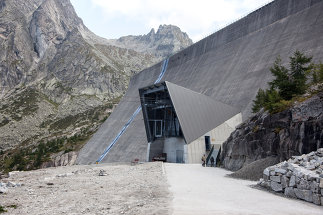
209	155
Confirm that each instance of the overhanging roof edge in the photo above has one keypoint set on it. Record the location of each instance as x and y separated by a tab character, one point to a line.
196	112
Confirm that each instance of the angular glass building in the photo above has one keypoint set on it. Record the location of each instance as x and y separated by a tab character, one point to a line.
182	125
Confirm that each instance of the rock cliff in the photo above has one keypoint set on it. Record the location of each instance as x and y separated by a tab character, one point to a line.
295	131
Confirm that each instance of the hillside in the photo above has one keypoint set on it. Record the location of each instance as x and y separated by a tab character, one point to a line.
58	79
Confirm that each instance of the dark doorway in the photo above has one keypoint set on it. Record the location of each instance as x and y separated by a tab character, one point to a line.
179	156
207	143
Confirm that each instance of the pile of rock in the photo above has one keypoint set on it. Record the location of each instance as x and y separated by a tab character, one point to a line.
300	177
4	186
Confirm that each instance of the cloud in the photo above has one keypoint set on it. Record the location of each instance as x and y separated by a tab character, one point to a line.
197	18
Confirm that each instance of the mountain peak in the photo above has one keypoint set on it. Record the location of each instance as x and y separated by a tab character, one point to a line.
168	39
152	32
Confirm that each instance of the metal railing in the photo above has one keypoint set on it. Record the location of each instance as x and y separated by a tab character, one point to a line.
209	155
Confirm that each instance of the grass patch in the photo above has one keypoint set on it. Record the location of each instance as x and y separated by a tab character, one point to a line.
2	210
13	206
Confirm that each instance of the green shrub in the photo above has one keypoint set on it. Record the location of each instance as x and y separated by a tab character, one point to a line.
12	206
2	210
317	74
287	84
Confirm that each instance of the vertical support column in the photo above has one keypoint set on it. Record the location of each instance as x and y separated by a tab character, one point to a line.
186	153
148	152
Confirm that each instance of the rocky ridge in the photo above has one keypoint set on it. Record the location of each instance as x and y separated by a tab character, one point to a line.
295	131
300	177
168	39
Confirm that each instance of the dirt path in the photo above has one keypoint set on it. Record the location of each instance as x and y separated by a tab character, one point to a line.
140	189
198	190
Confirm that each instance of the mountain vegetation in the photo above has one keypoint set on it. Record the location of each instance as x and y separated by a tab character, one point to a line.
289	84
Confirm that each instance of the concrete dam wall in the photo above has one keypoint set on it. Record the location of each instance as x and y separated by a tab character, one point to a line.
229	66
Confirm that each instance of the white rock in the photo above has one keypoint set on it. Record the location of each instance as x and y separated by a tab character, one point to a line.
280	170
13	173
11	184
64	175
321	183
3	190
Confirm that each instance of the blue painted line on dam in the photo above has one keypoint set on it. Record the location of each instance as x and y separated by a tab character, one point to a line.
124	128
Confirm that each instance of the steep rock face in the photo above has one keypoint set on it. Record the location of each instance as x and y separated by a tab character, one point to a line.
50	43
167	40
296	131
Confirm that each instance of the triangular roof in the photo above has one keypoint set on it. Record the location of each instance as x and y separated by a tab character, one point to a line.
198	113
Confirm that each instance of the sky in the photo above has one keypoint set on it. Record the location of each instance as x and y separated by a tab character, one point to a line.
198	18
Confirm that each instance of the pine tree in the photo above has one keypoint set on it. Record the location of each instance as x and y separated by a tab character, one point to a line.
317	73
287	83
299	65
282	80
259	102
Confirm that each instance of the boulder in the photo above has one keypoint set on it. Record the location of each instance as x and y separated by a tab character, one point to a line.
306	195
321	183
317	199
275	178
314	187
289	191
303	185
276	186
292	181
279	170
3	190
284	181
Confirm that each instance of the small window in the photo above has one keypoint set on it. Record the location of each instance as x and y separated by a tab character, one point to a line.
158	128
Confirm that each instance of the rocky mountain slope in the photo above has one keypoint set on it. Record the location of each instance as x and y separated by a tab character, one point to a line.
295	131
58	80
168	39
